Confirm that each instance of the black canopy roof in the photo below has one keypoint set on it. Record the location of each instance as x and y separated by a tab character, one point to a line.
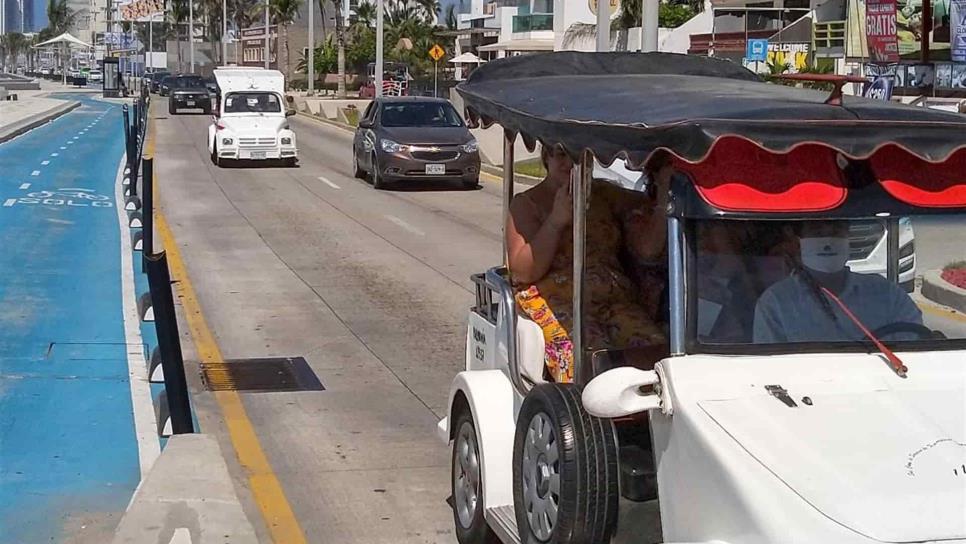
629	104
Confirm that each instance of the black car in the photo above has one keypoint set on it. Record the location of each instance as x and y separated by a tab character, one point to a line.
186	91
154	81
414	138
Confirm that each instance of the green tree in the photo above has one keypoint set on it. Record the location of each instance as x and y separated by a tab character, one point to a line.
670	15
284	13
60	17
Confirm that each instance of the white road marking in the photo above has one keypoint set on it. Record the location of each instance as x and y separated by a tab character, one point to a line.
328	182
63	147
181	536
35	173
25	186
405	225
149	447
54	154
70	142
10	202
44	163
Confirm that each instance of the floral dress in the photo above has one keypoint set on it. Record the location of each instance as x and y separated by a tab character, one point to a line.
614	316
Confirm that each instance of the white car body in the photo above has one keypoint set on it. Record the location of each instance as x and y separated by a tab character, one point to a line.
734	463
95	75
251	136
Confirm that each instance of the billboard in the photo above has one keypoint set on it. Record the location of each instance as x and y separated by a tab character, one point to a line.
141	9
866	34
957	30
880	31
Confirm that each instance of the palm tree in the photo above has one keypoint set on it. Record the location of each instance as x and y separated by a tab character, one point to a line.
340	44
60	17
284	12
177	16
365	14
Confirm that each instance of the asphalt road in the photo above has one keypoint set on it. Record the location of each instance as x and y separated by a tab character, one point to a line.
371	287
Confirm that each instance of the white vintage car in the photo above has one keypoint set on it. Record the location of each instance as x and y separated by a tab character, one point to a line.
798	399
251	119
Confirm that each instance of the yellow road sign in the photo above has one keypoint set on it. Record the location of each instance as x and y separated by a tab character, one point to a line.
436	52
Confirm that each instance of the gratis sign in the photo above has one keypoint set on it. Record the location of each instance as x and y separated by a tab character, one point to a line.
880	31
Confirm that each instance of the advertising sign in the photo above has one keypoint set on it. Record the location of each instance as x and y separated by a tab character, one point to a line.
879	89
957	30
757	50
141	9
880	30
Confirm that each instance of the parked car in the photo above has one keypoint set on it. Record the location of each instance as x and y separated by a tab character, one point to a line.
154	81
165	86
187	91
95	76
414	138
250	118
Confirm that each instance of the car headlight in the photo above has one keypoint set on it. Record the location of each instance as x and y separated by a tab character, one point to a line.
227	141
471	146
286	141
390	146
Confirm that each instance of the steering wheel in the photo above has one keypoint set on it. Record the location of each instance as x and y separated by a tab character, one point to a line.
924	332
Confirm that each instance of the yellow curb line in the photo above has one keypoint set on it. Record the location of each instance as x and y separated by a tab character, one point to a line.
266	489
940	311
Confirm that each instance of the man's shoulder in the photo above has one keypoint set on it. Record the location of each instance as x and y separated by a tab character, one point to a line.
783	288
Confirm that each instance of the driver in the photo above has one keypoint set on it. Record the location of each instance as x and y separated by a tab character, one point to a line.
796	310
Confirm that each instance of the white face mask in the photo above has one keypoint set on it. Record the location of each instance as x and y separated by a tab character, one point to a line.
825	254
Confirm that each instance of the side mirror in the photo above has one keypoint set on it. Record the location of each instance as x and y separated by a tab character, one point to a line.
364	123
624	391
289	113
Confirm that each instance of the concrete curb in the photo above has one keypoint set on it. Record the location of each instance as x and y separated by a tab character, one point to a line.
942	292
189	493
343	126
517	178
36	120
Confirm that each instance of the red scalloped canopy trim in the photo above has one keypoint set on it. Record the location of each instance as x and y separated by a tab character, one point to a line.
919	183
738	175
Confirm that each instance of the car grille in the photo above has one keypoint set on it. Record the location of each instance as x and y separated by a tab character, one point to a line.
863	237
441	155
256	141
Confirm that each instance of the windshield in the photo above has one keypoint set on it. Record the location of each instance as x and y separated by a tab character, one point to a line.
792	282
420	114
252	102
185	82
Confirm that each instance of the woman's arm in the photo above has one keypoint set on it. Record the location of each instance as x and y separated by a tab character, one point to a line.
531	246
645	225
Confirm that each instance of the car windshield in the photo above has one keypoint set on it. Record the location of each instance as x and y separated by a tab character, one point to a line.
822	281
185	82
420	114
252	102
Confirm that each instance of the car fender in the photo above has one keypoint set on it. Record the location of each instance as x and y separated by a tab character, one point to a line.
211	138
489	396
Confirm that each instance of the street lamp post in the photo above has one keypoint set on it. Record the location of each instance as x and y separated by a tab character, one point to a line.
311	59
224	32
603	25
378	74
267	66
191	35
650	11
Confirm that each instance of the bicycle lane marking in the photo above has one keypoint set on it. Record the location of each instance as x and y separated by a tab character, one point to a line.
67	442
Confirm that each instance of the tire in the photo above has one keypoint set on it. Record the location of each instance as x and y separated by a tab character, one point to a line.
377	181
586	467
171	109
357	172
466	483
214	156
471	184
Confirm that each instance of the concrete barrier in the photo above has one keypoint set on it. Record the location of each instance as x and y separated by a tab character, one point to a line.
187	496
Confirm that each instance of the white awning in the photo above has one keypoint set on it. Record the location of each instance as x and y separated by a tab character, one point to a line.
64	38
519	45
466	58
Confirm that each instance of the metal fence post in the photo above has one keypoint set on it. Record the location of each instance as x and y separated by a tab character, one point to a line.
169	344
127	133
147	211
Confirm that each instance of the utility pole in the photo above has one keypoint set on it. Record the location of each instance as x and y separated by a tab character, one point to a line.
191	35
311	59
650	11
267	64
224	32
378	74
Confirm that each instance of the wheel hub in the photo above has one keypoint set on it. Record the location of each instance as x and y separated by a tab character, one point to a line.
466	475
541	476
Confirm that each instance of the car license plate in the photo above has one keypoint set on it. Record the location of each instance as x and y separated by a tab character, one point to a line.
191	102
435	169
258	154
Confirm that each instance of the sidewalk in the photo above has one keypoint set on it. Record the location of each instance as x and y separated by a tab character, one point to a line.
32	109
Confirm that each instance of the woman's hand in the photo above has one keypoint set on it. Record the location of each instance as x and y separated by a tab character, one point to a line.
562	212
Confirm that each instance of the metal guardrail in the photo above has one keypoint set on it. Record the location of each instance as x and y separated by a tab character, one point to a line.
177	404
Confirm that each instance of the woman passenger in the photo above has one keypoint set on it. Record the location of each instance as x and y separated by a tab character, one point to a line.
540	254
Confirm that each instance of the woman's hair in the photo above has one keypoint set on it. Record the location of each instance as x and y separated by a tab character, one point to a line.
546	151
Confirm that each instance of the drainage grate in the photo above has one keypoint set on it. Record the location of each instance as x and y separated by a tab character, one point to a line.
261	375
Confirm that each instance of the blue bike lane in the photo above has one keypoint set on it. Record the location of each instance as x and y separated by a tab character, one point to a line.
69	450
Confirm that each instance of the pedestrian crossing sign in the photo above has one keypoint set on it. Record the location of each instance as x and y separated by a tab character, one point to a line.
436	52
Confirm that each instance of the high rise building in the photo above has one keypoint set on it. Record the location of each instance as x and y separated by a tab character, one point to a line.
12	16
28	16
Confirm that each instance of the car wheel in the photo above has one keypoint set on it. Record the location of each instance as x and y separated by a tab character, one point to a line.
471	184
171	109
377	181
357	172
467	483
214	156
565	471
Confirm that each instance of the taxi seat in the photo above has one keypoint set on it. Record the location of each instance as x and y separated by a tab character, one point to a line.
530	349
